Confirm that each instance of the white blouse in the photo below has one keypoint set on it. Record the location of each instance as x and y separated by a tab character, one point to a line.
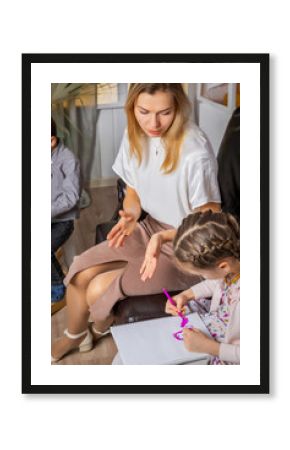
169	198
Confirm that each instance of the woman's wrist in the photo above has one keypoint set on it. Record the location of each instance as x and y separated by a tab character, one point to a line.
167	235
159	237
131	204
135	213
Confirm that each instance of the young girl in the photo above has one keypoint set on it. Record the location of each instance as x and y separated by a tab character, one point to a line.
208	244
170	170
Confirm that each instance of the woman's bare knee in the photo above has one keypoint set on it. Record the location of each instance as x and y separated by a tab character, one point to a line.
82	279
98	286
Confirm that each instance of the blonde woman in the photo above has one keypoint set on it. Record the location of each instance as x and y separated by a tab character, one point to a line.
170	171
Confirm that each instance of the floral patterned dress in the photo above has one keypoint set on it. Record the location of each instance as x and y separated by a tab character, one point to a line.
217	321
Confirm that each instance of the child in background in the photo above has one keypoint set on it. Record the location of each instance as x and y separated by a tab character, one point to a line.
65	194
208	244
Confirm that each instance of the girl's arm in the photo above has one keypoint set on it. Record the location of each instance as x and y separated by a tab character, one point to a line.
205	288
230	352
196	341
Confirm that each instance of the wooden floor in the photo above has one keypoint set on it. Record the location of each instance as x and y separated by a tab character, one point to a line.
104	202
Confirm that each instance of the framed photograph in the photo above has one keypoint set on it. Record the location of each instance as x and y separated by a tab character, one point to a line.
85	94
220	95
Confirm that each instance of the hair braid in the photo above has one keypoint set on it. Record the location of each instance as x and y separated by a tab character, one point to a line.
205	238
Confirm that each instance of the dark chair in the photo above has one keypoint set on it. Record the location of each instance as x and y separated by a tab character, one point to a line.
229	166
142	307
136	308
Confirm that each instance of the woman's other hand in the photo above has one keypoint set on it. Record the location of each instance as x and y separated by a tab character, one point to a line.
122	229
151	256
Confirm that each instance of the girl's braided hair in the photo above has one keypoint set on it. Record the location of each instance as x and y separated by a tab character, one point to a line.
204	238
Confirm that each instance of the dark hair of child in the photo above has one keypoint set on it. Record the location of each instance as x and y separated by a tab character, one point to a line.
53	129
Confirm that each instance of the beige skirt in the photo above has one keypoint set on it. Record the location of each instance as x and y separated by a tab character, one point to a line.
167	274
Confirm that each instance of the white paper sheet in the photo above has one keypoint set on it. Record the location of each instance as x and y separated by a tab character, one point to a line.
152	341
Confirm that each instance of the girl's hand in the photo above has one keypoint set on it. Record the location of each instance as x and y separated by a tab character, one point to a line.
151	257
122	229
181	300
196	341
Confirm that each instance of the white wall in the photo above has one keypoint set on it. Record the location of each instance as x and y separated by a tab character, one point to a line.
213	122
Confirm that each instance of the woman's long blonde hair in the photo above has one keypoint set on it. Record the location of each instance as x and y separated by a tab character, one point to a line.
174	135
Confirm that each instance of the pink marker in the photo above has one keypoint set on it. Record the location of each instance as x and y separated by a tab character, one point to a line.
184	319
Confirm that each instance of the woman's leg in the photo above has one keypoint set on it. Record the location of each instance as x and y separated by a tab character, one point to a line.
96	289
77	306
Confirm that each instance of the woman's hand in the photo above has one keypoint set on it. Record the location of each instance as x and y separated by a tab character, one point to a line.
153	251
122	229
151	256
196	341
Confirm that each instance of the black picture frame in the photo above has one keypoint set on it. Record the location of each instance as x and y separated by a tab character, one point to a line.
263	61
